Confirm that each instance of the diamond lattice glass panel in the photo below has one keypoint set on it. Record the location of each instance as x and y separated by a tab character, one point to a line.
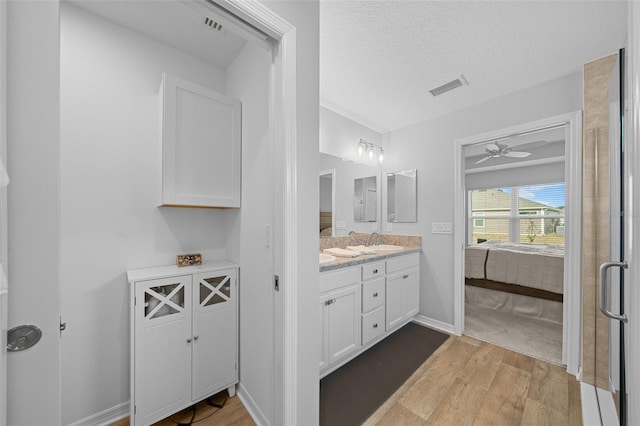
157	302
220	288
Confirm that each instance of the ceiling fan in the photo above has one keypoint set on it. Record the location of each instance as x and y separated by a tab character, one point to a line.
494	150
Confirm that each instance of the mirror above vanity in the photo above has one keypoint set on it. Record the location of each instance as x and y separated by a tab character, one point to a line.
365	199
401	196
351	201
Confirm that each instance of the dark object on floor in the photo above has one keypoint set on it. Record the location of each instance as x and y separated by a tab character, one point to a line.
352	393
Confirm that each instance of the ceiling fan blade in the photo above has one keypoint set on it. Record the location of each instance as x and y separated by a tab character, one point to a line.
518	154
482	160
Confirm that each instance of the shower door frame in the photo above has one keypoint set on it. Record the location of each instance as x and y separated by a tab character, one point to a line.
571	336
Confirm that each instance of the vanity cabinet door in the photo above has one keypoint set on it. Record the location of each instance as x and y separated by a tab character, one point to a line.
410	293
393	302
201	136
344	321
324	325
402	297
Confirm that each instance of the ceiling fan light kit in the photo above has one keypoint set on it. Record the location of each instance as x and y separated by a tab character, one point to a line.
495	150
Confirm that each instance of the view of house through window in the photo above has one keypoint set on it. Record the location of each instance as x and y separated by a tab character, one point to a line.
531	214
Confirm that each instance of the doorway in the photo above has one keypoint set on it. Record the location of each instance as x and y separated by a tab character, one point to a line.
281	120
571	123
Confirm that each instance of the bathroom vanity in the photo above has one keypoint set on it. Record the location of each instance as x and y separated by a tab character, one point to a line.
364	299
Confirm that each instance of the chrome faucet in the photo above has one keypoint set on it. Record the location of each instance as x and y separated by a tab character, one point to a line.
371	236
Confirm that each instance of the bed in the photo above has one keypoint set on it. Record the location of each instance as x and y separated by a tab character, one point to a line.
523	278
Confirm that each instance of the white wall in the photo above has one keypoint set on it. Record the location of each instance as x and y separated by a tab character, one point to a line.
429	147
339	137
248	80
110	186
33	145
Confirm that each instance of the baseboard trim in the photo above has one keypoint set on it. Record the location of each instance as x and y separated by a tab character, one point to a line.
252	408
106	417
590	411
598	407
433	323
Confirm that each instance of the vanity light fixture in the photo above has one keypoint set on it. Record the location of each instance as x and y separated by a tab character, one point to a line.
370	149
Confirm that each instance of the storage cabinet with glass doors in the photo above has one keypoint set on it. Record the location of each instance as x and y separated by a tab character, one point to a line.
184	344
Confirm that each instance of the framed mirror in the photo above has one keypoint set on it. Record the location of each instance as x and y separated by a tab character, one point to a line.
365	199
344	175
327	202
402	196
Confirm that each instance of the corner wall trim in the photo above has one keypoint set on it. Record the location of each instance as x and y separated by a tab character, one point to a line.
106	417
250	405
434	323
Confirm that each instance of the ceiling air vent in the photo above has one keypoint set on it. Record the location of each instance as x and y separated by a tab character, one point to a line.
458	82
213	25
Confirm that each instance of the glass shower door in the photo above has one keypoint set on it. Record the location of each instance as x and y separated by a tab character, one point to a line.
612	272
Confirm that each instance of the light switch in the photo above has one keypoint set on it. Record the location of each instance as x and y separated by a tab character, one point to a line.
441	228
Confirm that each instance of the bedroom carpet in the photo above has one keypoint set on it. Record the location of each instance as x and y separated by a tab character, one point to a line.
536	338
349	395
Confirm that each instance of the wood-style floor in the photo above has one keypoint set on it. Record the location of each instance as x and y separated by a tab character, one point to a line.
465	382
469	382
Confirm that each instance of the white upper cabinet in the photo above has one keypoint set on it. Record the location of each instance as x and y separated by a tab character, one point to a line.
201	136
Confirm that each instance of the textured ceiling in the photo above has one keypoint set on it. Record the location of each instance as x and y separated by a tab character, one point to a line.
379	59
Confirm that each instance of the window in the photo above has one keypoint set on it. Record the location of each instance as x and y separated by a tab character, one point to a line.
532	214
478	223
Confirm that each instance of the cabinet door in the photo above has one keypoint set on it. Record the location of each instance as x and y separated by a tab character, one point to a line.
324	334
344	322
410	296
162	347
393	302
201	146
215	345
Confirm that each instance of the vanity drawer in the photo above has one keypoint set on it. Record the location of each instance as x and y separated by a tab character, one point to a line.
372	325
339	278
372	270
403	262
373	294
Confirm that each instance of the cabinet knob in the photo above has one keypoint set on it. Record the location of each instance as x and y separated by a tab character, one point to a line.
375	294
404	277
375	325
195	337
375	271
189	340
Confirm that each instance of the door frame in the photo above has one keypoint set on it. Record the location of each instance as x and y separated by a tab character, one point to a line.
571	330
3	215
283	129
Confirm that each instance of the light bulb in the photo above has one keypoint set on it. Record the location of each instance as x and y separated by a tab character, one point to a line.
370	153
381	157
360	149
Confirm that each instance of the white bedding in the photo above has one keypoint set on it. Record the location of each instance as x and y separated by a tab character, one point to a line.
535	266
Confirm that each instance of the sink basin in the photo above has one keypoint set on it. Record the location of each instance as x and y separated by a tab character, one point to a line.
362	249
326	258
388	248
